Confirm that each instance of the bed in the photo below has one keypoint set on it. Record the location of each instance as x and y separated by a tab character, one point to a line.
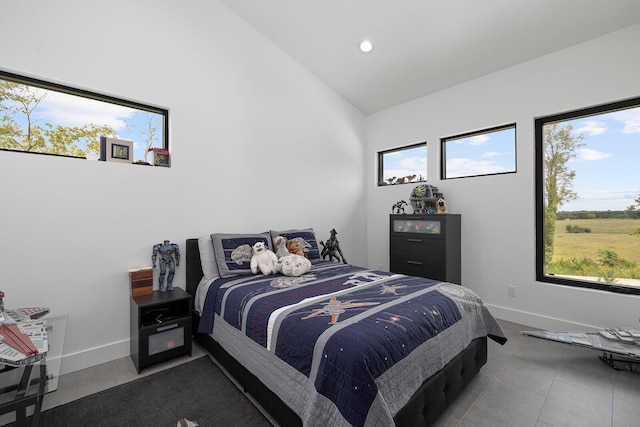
340	345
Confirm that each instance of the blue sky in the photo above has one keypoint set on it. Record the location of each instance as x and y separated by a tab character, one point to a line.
488	153
68	110
608	166
406	162
483	154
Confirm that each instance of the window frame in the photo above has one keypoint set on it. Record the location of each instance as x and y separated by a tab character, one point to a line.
381	181
443	150
83	93
539	194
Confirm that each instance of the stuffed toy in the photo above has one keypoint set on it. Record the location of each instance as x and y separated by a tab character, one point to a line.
264	259
295	246
293	265
280	243
442	206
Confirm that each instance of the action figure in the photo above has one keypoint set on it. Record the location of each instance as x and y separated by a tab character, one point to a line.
168	251
398	208
332	249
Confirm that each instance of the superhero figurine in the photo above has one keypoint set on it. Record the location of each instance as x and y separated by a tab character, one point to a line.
168	251
332	248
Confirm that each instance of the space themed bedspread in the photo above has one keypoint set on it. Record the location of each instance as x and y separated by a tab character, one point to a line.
342	345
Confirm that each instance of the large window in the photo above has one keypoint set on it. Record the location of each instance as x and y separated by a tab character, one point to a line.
588	197
403	165
484	152
46	118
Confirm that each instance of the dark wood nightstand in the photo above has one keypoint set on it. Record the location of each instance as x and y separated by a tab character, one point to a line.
160	327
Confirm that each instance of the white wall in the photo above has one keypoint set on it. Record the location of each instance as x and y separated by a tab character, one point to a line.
257	142
498	212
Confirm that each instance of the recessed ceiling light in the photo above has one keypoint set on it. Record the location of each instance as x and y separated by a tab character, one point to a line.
366	46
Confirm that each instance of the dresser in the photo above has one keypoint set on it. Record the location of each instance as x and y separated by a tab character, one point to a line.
426	246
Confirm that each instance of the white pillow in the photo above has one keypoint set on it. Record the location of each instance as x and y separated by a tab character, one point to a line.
207	257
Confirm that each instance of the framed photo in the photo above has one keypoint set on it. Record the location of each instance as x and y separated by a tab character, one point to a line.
161	157
116	150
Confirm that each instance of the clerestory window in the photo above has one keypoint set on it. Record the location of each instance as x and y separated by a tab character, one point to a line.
403	165
47	118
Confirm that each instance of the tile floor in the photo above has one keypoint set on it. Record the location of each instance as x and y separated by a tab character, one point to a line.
534	382
527	382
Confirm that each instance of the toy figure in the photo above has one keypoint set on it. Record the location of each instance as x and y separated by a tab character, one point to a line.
398	208
332	249
168	252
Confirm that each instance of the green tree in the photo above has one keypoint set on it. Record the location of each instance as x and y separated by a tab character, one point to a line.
560	146
150	136
17	105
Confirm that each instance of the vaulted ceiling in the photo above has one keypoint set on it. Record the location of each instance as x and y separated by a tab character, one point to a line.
423	46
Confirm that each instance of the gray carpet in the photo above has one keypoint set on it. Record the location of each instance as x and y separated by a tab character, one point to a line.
197	391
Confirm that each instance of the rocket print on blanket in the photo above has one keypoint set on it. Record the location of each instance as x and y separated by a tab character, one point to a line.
334	308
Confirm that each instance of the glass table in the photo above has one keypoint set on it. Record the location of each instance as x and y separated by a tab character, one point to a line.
24	386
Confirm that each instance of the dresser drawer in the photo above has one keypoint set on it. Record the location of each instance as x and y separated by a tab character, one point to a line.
434	249
418	266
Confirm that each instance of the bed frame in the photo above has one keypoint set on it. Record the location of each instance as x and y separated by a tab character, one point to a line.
435	394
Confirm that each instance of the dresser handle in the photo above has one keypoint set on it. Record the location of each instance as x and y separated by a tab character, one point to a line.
414	262
414	240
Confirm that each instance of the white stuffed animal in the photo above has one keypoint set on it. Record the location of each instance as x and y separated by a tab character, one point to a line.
264	259
280	243
293	265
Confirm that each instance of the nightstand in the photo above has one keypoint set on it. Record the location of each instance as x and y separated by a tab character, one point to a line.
160	327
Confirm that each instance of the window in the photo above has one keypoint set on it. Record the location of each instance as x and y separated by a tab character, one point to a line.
485	152
403	165
46	118
588	197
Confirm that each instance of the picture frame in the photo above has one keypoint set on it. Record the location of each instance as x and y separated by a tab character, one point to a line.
116	150
161	157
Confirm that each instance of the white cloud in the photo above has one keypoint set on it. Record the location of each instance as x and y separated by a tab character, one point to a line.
68	110
592	127
490	154
590	154
478	140
630	120
467	167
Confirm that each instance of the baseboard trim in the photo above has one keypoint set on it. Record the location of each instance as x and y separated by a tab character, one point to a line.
536	320
72	362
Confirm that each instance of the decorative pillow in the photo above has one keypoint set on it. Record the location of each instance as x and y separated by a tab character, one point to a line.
233	252
207	257
309	243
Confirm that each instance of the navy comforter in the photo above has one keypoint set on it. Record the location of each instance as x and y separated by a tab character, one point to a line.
343	329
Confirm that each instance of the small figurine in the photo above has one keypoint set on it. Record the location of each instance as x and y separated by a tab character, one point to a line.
168	252
332	248
442	206
398	208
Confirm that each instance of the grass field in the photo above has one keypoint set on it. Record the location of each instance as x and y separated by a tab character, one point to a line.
610	234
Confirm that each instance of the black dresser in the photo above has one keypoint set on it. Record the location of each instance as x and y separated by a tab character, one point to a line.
426	246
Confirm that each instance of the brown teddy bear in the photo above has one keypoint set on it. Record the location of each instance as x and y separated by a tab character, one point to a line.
294	246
